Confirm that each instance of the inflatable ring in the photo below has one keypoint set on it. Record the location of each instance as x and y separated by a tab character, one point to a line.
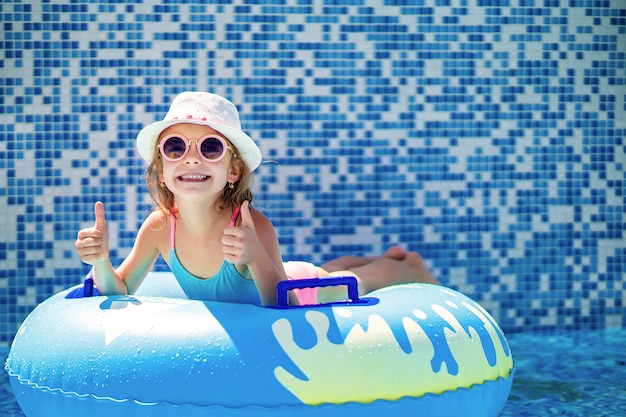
414	349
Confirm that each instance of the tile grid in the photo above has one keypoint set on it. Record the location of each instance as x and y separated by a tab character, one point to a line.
488	135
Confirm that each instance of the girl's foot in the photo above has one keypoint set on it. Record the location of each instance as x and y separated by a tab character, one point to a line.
395	252
415	260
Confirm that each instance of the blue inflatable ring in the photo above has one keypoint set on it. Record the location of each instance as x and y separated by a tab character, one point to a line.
413	349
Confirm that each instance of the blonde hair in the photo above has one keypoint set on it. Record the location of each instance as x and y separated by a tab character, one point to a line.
232	198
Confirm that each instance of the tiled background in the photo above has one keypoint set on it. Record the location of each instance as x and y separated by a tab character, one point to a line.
486	134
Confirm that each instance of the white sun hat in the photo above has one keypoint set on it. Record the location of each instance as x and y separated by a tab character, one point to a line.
202	109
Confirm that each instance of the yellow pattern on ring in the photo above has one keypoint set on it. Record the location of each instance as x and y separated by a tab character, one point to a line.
371	365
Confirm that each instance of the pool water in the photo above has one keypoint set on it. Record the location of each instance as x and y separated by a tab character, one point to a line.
579	374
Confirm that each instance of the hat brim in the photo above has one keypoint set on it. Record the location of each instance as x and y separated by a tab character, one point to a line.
247	149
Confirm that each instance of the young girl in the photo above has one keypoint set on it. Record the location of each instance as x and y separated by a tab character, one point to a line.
216	244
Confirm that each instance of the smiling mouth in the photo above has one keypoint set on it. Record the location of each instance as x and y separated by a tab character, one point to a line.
193	178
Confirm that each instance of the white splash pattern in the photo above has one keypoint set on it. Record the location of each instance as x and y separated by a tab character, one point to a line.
371	365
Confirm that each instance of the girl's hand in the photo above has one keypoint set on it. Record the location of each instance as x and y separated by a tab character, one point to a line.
93	242
241	243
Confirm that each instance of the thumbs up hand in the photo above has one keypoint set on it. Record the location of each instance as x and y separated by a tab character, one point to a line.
241	244
92	243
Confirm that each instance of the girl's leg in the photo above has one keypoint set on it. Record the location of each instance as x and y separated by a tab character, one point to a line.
383	272
372	273
348	262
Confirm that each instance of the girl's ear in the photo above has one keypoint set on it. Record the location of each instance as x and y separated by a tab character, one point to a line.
235	170
158	166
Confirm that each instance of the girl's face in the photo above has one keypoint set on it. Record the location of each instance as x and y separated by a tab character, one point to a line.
193	176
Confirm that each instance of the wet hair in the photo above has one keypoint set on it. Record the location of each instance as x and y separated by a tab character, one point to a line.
163	198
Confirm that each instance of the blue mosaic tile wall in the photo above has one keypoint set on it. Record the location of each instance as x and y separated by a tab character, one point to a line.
486	134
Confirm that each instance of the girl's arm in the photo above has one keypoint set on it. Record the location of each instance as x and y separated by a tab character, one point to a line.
92	245
141	258
254	244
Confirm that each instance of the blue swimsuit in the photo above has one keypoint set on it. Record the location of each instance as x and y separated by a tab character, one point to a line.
227	285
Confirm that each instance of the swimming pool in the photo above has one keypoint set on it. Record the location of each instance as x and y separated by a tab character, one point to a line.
578	374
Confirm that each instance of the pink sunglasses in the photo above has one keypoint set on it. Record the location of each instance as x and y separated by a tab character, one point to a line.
212	148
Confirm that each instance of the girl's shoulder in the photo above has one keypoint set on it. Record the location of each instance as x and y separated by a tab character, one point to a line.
262	223
258	215
157	219
156	226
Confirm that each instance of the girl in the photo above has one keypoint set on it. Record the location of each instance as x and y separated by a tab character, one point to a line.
218	247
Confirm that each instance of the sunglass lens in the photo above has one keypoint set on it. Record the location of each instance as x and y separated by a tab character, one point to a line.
174	148
212	148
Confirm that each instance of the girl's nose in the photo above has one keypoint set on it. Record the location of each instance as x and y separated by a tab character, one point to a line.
193	157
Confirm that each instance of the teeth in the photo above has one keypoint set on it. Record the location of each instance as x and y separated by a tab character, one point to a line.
193	177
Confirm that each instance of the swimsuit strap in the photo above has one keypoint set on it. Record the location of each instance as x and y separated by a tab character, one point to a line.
233	221
173	231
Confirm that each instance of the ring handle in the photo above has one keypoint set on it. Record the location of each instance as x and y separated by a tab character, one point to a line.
283	288
88	289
